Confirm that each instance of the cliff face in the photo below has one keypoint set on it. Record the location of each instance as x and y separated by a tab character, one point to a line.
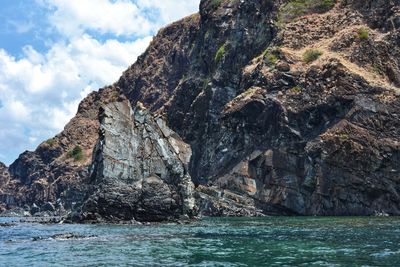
139	168
4	180
296	137
287	108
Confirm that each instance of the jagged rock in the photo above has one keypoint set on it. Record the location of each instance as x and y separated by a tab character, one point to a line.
269	132
139	168
34	209
48	206
212	201
4	175
48	174
5	198
262	131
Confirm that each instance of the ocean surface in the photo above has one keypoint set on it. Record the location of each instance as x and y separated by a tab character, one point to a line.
269	241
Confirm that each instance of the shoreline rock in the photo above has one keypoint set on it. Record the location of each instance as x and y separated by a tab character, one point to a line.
139	169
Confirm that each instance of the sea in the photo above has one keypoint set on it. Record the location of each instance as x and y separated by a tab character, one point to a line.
266	241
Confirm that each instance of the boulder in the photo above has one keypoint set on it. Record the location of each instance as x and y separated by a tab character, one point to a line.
48	206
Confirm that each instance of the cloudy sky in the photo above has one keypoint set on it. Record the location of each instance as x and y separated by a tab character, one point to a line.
54	52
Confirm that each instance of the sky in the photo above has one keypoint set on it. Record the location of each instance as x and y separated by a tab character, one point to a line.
54	52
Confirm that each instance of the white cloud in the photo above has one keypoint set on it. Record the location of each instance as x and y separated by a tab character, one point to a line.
40	93
40	90
16	110
21	26
118	17
170	10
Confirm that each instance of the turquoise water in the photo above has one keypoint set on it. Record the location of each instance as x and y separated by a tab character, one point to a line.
270	241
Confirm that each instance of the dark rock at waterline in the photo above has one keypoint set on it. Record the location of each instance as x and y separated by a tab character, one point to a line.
45	219
7	224
48	207
34	209
64	236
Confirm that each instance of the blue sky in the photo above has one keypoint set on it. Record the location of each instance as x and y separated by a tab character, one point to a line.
54	52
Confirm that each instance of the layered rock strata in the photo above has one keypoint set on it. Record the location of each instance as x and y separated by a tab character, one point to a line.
139	169
285	113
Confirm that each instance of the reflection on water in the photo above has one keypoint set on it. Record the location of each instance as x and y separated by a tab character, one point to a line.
270	241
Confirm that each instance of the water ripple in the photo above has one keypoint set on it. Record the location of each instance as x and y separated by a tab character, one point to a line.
270	241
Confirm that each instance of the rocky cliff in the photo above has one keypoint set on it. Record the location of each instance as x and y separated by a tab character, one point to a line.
287	107
139	169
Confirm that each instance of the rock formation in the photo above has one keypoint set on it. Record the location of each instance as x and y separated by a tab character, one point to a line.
4	180
285	112
139	169
50	173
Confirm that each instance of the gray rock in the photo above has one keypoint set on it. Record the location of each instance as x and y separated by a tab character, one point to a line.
139	169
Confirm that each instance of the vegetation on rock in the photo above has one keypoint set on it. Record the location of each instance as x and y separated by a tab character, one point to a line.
51	141
311	55
363	33
76	153
220	53
216	3
296	90
270	57
298	8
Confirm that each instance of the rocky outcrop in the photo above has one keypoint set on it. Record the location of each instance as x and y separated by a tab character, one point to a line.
51	173
4	180
284	113
4	175
139	169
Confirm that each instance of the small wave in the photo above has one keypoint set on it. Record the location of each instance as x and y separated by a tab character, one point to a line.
65	236
385	253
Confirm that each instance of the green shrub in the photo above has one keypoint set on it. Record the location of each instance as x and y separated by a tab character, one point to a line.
207	35
311	55
296	90
220	53
216	3
76	153
376	69
344	137
51	141
205	83
270	57
298	8
249	92
363	33
115	94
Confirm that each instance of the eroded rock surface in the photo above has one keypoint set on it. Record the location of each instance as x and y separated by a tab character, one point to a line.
290	136
139	169
270	132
